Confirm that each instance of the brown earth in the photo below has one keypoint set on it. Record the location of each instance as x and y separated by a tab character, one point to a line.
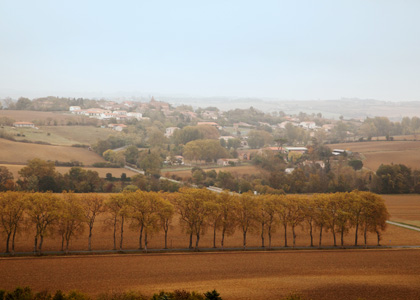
348	274
385	152
19	153
404	208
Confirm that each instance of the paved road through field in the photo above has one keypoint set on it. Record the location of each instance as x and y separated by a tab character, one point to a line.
404	225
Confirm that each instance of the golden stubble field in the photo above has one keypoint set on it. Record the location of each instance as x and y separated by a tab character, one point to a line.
316	274
19	153
385	152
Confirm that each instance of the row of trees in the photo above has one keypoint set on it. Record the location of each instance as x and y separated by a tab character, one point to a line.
199	210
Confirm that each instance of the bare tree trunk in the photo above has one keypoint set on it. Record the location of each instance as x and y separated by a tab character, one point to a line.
269	237
294	236
223	237
90	237
62	242
342	236
36	243
214	236
262	235
145	241
356	233
67	245
166	238
285	235
191	235
13	240
244	241
365	236
378	235
320	236
115	233
310	233
335	240
141	237
122	232
197	240
40	244
7	242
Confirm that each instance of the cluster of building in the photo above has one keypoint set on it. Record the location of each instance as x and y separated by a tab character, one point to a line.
105	114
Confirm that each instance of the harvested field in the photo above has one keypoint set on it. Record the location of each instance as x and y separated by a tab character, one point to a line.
19	153
382	152
236	171
404	208
116	172
350	274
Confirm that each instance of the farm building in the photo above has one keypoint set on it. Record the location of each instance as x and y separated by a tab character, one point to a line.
24	124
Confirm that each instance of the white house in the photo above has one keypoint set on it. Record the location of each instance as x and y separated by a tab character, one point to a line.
170	131
74	108
307	125
135	115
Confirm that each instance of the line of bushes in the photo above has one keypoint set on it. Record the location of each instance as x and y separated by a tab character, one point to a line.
26	293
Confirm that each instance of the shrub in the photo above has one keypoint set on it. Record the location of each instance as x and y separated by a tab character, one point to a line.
105	165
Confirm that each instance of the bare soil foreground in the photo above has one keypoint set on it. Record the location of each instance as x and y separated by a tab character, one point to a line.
348	274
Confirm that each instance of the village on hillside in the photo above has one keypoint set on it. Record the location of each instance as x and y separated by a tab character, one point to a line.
259	151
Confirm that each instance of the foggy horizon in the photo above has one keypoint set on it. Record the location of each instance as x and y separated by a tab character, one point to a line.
274	50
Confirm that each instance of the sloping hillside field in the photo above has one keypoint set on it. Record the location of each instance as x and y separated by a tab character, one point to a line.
352	274
15	152
385	152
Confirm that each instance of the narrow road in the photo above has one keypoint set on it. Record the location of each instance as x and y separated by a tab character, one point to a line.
404	226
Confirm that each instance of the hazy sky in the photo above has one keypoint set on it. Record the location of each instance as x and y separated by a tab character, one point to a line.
281	49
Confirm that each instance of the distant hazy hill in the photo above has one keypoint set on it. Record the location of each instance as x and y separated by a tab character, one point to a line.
349	108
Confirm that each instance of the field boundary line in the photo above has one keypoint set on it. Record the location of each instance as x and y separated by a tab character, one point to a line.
404	225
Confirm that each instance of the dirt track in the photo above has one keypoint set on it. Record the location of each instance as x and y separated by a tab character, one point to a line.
350	274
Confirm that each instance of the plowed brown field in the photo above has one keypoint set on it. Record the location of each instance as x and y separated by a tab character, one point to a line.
351	274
